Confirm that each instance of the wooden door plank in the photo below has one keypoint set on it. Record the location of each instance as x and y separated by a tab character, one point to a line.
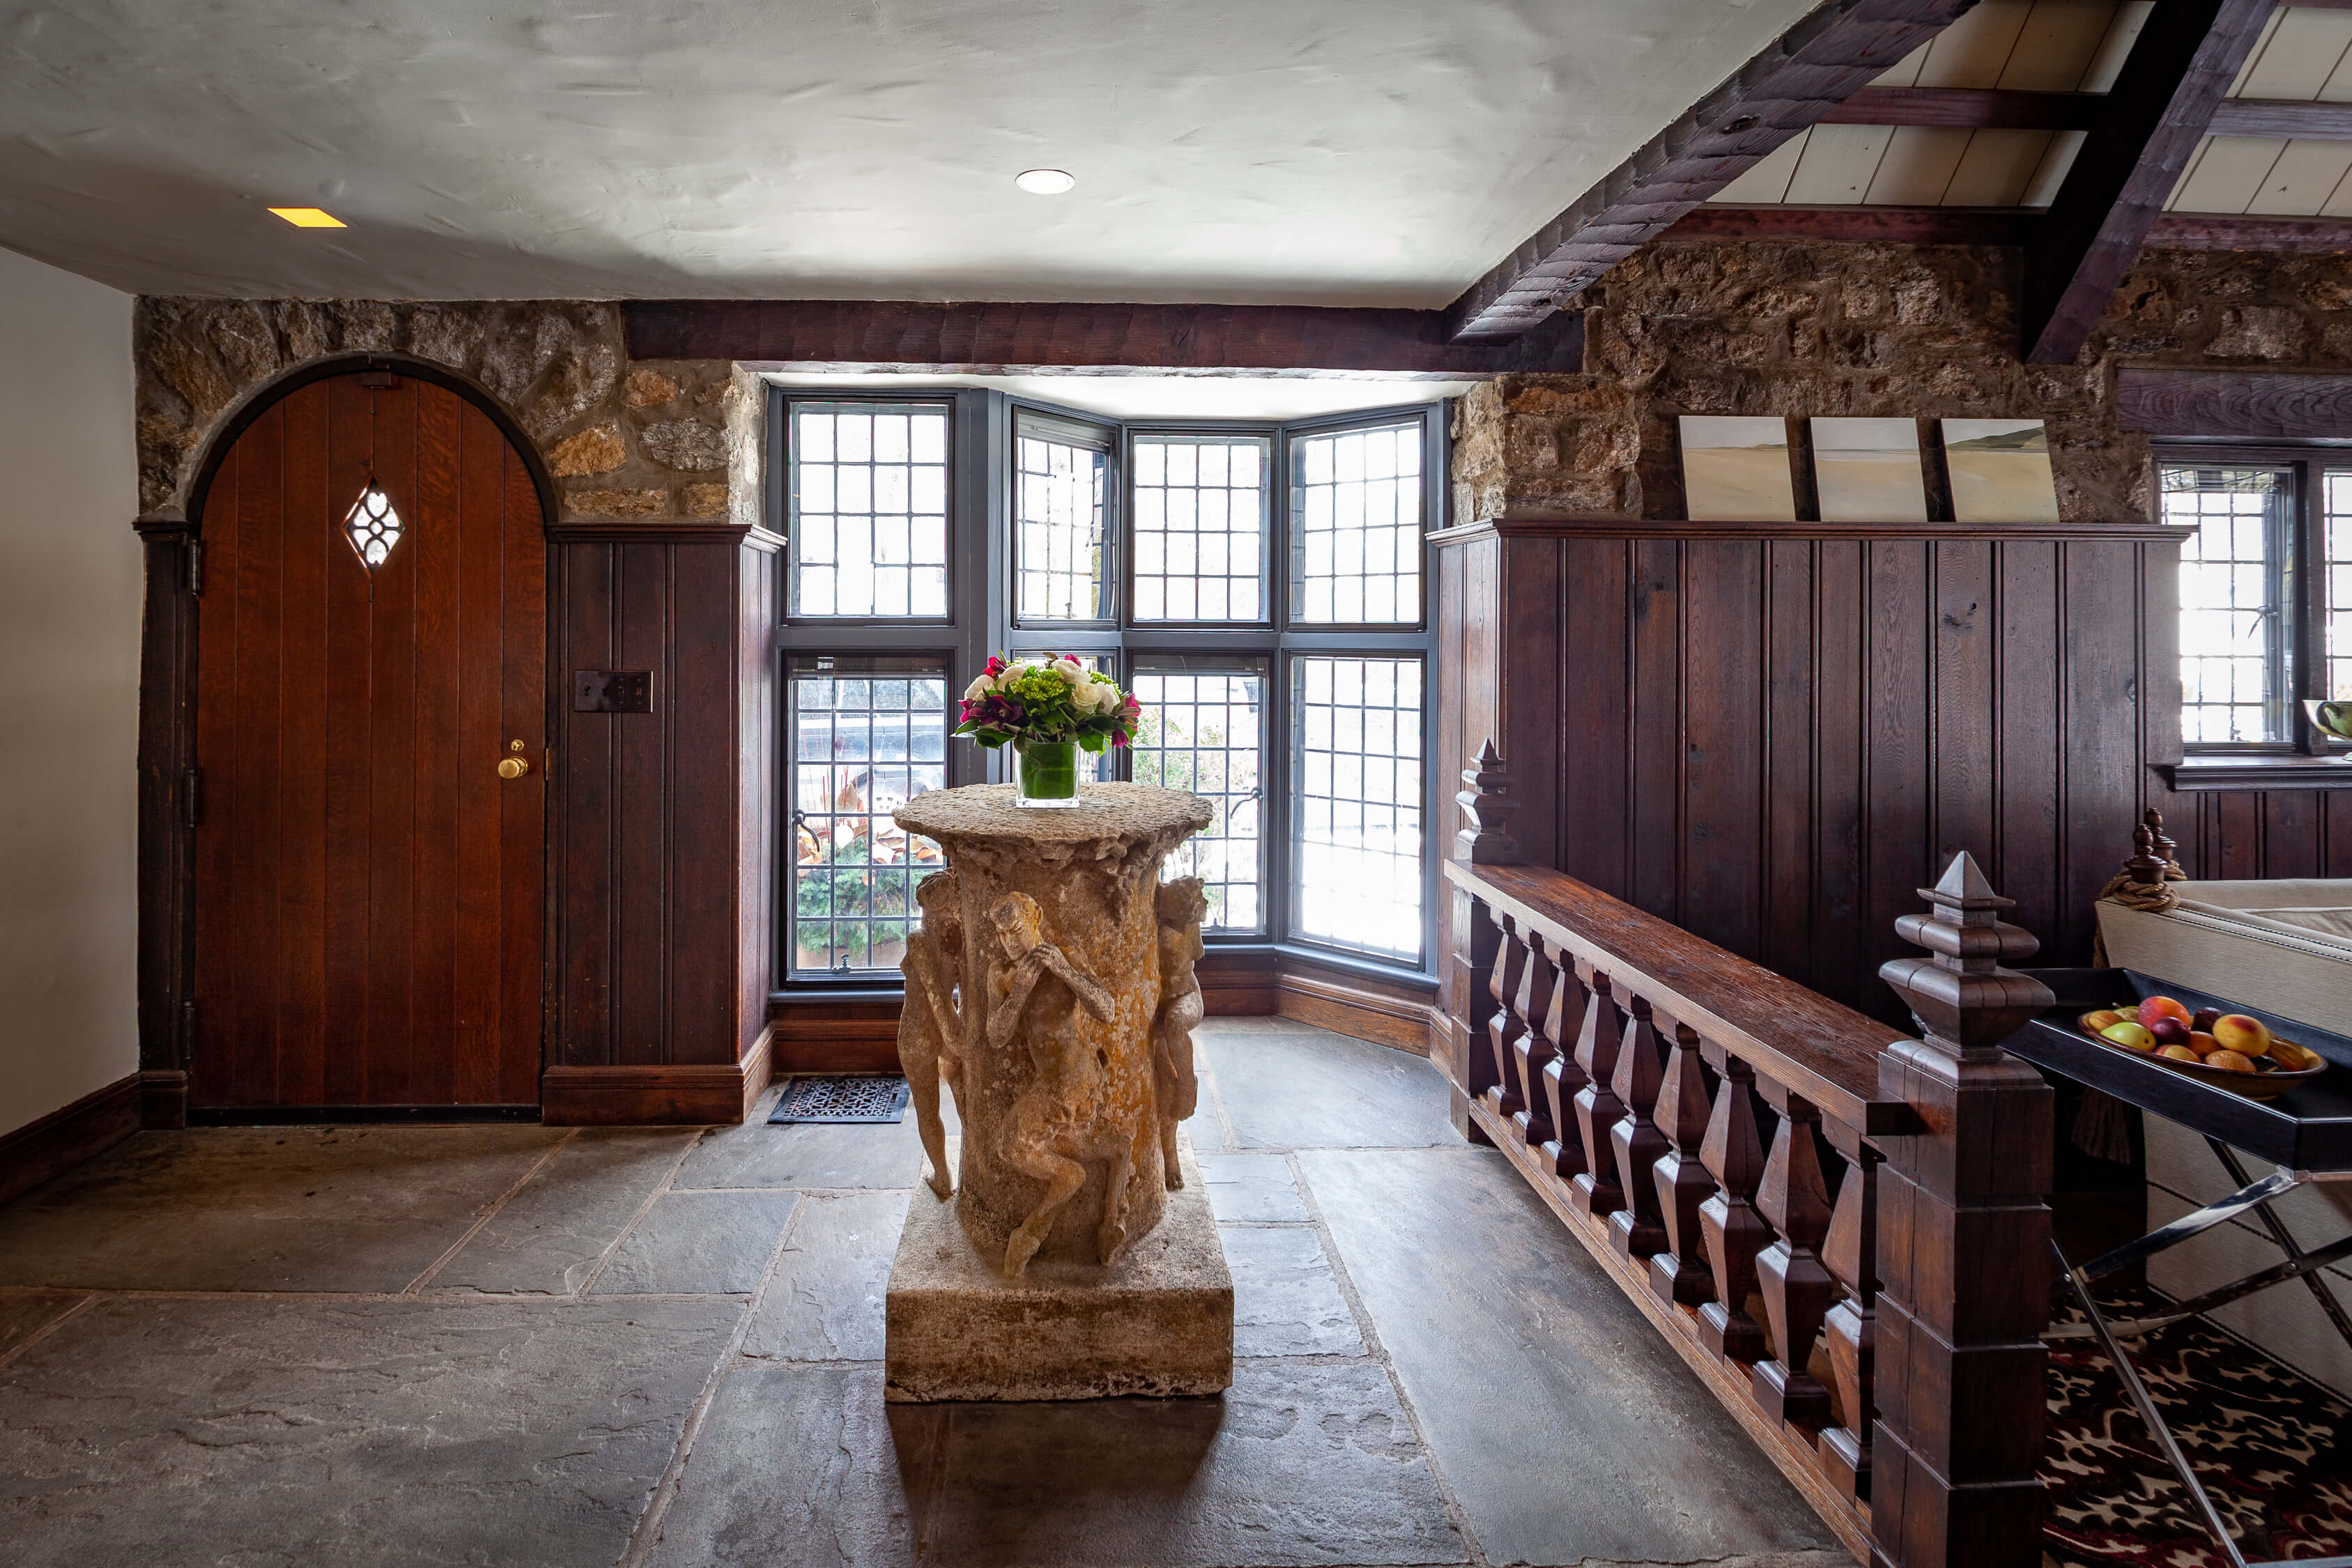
301	818
391	1065
349	754
435	537
522	811
250	822
480	739
214	987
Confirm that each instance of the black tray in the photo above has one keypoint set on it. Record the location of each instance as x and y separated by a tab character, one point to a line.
2309	1127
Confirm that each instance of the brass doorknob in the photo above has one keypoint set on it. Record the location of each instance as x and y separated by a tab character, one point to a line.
512	767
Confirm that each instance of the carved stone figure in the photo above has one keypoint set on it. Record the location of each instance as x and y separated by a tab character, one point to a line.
930	1024
1068	1122
1182	906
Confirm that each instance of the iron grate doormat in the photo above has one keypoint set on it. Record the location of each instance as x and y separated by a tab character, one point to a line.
882	1097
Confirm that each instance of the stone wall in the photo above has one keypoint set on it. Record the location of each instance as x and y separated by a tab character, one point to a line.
1799	328
650	440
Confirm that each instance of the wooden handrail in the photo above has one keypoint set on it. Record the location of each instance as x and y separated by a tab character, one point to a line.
1827	1053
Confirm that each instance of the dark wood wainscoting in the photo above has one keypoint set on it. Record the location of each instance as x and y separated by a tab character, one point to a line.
1773	739
663	847
57	1142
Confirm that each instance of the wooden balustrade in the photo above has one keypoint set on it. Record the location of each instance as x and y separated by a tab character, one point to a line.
1837	1226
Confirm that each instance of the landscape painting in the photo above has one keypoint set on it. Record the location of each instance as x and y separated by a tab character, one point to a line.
1867	471
2001	471
1736	469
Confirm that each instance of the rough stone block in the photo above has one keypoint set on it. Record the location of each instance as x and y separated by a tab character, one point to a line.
1159	1322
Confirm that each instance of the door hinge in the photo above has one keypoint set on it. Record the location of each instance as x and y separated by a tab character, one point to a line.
187	1035
191	801
195	566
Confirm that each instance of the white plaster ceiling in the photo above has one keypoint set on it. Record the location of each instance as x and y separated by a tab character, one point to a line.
1322	151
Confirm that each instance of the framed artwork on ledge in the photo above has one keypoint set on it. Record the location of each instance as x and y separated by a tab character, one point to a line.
1867	471
2001	471
1735	469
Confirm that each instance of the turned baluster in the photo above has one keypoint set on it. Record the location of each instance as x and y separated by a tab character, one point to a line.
1797	1289
1594	1189
1531	1051
1851	1254
1503	1030
1684	1106
1563	1152
1471	979
1734	1232
1638	1230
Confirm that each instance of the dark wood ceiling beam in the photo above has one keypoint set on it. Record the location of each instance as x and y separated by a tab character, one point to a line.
1818	63
1996	108
1049	338
2185	59
2002	226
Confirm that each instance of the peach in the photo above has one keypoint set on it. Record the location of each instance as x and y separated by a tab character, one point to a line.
2236	1032
2179	1053
2231	1062
2131	1036
2203	1044
2159	1007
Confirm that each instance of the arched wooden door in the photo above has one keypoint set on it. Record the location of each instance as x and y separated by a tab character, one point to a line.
368	885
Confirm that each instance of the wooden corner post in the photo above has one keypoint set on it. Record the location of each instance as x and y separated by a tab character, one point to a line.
1480	981
1963	1247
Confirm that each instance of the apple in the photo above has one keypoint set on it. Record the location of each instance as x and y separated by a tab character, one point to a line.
2171	1032
2179	1053
2237	1032
2229	1061
2203	1022
2158	1009
2131	1036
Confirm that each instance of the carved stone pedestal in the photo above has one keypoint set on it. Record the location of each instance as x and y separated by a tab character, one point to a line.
1052	989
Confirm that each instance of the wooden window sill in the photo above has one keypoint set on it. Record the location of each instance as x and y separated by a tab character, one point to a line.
2262	770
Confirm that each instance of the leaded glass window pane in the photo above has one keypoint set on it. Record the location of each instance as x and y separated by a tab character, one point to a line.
1204	731
868	735
1061	527
373	526
2335	583
869	510
1199	528
1358	803
2234	625
1355	500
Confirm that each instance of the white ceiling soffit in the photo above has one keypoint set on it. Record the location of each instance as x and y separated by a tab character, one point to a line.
1134	397
1298	151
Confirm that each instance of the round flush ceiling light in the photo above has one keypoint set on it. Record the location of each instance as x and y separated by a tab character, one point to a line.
1045	182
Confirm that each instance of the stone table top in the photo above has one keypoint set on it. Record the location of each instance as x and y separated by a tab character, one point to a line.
1111	811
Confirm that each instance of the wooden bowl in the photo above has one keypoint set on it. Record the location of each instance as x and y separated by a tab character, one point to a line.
2269	1078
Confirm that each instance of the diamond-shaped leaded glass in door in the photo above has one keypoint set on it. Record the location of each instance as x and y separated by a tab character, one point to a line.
373	526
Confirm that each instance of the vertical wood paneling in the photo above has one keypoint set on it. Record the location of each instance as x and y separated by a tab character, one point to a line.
2103	729
1897	823
643	746
1653	732
1791	640
1965	703
705	771
1840	763
758	806
1724	716
2026	767
1595	837
587	887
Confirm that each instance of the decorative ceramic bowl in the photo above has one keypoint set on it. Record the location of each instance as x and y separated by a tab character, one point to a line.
2269	1078
2329	718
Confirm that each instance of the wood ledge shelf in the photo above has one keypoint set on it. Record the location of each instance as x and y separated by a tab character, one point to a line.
1539	526
2285	771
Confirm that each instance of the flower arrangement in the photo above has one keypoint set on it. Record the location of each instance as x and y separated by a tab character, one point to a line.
1046	698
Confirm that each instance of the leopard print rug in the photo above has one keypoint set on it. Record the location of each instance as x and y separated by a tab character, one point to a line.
2264	1440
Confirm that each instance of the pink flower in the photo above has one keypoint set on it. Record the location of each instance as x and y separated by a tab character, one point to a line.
995	665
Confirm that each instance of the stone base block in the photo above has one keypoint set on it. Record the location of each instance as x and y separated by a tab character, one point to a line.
1159	1321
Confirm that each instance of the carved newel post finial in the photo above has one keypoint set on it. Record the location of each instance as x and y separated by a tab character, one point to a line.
1962	999
1487	811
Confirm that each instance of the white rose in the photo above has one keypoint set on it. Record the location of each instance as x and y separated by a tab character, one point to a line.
1071	671
1105	696
980	688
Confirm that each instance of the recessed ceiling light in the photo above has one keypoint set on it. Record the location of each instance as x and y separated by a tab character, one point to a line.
309	218
1045	182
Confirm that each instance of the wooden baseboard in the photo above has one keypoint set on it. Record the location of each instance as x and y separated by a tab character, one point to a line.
67	1136
1384	1013
822	1034
651	1095
163	1098
1237	985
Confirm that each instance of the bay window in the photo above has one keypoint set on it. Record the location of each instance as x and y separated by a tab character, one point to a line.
1259	586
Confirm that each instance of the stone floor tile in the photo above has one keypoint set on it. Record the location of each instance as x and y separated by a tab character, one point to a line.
1285	1300
265	1208
1252	1188
825	1300
549	1235
1437	1240
23	1316
1321	1090
359	1433
809	1155
799	1467
698	1244
1313	1464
